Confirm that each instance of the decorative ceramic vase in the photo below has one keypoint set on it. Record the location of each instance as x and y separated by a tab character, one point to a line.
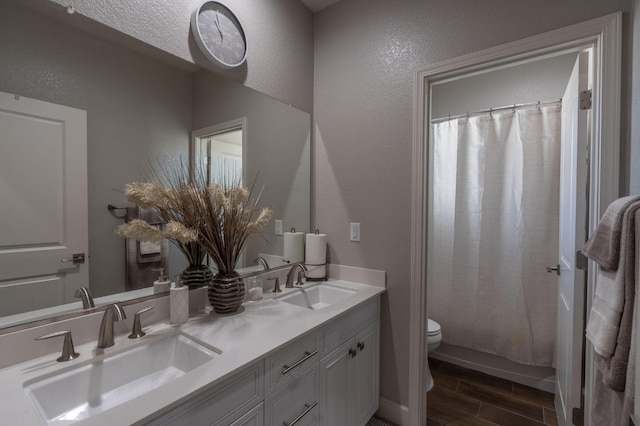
197	276
226	293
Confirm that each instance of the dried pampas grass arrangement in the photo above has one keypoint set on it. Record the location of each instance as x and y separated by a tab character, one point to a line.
201	218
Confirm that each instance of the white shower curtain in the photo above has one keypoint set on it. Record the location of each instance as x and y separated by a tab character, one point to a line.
493	232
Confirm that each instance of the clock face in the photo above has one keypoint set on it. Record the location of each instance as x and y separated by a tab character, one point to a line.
219	34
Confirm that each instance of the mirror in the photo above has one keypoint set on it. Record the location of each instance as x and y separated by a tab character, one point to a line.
138	108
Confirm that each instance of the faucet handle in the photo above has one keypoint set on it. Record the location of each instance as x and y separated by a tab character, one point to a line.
276	287
68	351
137	332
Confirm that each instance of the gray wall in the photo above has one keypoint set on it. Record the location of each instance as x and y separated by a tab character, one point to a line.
137	108
543	80
366	52
279	33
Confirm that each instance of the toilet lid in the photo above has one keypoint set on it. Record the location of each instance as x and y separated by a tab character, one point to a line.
433	327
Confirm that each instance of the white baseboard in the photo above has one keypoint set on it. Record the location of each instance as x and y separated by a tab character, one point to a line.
396	413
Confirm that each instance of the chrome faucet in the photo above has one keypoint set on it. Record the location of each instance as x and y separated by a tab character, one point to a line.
262	262
111	314
85	295
291	273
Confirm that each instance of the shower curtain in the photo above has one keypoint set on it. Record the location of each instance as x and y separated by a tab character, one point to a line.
494	231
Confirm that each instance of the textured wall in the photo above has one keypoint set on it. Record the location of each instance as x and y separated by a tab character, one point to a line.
366	52
543	80
136	108
279	34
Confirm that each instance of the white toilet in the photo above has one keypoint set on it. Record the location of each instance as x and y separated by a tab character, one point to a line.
434	337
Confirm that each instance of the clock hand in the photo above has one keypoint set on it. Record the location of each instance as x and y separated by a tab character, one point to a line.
217	22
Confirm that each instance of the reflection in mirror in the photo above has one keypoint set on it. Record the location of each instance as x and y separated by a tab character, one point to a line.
224	153
218	150
139	108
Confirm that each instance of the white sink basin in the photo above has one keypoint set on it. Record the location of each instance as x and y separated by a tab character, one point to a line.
317	297
90	388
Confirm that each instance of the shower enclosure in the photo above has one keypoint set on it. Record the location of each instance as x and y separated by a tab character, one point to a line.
494	231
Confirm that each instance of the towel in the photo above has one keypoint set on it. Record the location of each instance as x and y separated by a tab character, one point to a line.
604	245
611	407
143	261
611	318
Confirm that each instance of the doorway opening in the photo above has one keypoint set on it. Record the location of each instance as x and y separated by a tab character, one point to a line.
218	151
494	217
603	36
494	224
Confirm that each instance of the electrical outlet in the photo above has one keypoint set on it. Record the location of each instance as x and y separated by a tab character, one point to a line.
354	232
278	227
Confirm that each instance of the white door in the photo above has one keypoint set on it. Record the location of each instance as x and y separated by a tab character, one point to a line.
43	203
572	236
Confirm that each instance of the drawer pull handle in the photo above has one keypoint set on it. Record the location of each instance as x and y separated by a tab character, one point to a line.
307	355
307	408
361	345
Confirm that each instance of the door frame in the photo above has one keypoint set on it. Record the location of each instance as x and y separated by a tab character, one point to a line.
227	126
604	34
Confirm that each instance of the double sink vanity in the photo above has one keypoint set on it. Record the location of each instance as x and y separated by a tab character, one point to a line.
306	356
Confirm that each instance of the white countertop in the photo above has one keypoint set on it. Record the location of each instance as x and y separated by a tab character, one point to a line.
258	329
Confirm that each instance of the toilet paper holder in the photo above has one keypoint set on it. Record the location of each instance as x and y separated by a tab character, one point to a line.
312	265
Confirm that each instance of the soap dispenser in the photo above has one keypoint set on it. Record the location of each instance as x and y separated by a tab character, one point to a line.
162	284
178	302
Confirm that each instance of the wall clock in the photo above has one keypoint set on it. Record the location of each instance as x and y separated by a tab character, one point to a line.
219	34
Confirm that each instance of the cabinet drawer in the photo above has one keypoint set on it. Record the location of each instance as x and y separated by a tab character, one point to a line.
286	365
252	418
222	404
347	325
298	400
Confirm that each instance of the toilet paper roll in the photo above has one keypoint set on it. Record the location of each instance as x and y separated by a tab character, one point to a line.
294	247
315	255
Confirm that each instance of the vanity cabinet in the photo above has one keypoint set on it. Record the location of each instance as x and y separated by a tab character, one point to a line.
349	373
327	377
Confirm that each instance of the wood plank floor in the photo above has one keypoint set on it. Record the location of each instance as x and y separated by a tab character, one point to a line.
466	397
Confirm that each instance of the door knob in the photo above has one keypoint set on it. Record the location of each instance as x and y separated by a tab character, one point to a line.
75	258
554	268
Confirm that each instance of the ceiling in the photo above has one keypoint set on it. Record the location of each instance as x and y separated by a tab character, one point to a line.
316	5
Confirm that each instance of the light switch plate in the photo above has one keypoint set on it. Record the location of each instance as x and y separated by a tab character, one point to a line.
354	232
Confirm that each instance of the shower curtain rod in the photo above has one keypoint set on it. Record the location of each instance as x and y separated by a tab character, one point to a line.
502	108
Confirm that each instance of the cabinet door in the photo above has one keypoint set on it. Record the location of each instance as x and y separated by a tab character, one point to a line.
335	386
366	374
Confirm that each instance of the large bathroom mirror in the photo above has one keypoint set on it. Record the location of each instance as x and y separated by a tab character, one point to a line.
141	107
